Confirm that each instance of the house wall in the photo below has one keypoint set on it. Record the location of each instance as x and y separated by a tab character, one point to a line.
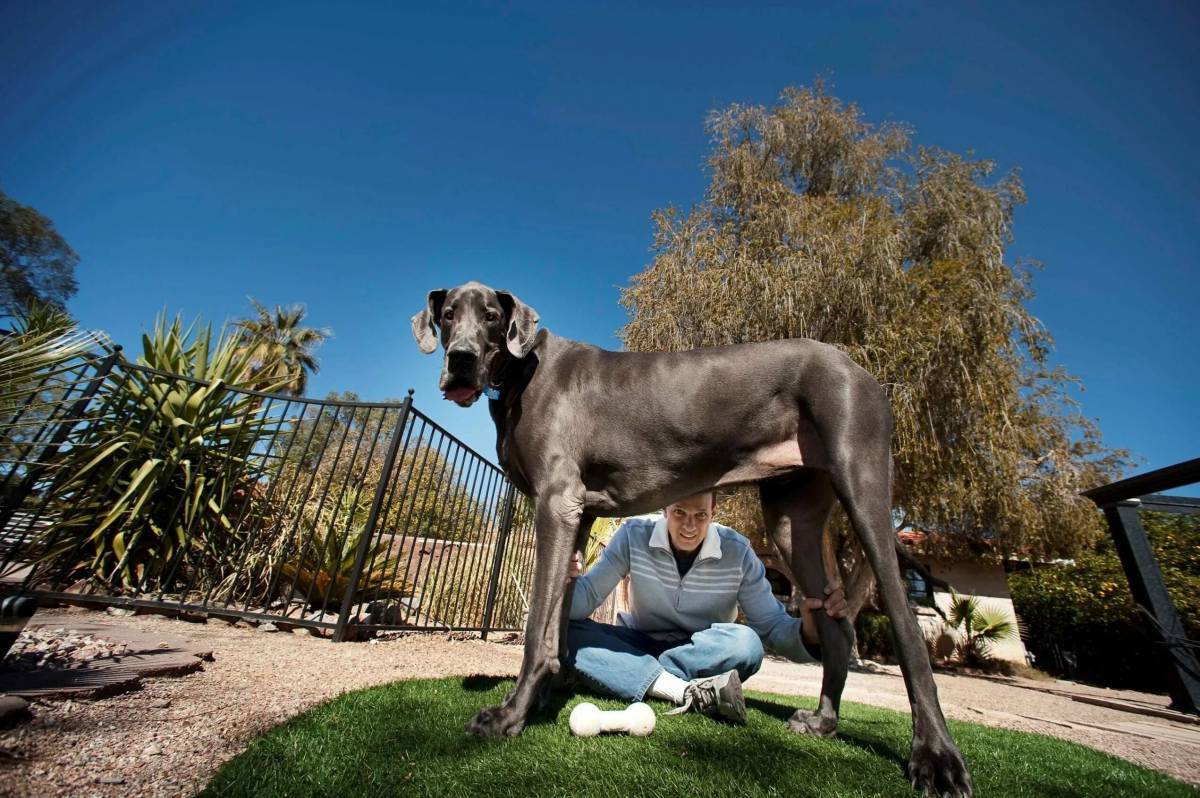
985	580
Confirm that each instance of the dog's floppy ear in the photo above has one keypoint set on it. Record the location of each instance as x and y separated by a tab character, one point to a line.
522	324
425	323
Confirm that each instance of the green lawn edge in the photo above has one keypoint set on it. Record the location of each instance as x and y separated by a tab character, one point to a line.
407	738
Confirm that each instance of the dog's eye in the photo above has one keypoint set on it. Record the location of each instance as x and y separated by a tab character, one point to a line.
449	314
492	316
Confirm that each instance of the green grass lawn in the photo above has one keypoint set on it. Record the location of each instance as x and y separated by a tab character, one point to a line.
407	738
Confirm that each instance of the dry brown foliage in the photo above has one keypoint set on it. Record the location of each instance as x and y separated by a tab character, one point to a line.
818	224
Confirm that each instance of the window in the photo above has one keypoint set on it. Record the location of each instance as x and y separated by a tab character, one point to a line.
919	589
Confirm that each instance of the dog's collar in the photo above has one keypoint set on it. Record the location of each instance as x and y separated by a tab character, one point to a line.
495	377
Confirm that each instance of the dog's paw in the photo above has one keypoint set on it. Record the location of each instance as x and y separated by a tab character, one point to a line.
814	724
939	769
499	721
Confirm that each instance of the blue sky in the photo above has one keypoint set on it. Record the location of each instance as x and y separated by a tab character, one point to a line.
354	156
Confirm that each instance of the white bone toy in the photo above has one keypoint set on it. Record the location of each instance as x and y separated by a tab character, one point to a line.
587	720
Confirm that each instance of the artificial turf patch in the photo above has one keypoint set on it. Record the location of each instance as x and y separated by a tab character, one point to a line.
407	738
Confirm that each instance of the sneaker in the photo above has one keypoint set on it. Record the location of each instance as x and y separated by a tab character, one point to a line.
715	696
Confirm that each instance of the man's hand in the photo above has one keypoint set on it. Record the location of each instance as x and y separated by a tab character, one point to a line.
834	605
575	568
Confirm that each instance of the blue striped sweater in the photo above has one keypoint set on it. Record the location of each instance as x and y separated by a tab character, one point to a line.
727	573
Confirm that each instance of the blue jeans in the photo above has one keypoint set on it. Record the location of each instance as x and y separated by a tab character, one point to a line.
625	662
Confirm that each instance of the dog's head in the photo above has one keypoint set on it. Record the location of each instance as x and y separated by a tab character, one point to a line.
476	324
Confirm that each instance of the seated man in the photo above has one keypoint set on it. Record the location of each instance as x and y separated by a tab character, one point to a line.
679	644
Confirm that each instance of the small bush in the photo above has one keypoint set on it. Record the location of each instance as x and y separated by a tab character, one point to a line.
873	631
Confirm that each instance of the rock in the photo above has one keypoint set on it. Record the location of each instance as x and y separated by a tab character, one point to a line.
120	612
268	627
161	704
152	750
13	711
110	780
388	613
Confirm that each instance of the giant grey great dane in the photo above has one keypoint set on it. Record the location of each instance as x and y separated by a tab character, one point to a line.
587	432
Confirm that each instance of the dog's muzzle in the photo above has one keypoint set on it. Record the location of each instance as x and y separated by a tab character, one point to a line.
461	380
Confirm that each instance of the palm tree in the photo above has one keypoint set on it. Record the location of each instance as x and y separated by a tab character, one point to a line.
981	627
280	348
33	370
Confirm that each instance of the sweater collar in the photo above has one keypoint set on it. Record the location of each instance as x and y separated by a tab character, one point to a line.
710	548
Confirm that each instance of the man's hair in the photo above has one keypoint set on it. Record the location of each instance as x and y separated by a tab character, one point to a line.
712	492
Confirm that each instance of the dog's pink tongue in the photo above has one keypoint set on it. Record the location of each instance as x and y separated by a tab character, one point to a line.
459	394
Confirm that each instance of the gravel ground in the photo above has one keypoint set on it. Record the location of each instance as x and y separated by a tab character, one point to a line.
168	738
46	648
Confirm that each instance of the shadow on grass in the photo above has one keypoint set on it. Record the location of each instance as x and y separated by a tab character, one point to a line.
872	745
548	710
479	683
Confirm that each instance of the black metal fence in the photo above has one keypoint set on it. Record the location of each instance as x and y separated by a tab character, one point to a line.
125	485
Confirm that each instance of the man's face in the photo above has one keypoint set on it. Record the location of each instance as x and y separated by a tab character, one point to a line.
687	521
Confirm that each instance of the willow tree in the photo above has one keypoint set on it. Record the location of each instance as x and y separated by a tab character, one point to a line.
819	224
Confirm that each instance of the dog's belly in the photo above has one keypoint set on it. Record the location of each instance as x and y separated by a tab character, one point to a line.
801	449
621	491
769	461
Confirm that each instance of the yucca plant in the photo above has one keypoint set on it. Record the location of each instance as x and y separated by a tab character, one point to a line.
145	497
979	628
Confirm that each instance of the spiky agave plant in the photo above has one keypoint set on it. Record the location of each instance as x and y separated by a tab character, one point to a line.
322	569
146	497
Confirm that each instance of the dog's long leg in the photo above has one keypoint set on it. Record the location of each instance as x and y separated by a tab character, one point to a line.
859	447
796	511
556	528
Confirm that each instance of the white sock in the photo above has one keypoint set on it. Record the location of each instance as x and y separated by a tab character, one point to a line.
668	687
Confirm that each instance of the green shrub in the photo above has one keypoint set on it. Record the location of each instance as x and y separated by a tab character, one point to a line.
873	632
1082	619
